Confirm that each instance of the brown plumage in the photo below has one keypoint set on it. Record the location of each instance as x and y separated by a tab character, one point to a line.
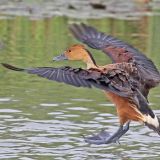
125	82
119	52
120	81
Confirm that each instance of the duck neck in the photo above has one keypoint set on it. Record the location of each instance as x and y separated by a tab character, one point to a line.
89	60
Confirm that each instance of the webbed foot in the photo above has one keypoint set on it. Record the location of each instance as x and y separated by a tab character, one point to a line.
105	138
99	138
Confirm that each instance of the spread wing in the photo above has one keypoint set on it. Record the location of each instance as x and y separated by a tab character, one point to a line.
118	51
115	81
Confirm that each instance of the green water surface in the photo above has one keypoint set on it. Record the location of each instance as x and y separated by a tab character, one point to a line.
41	119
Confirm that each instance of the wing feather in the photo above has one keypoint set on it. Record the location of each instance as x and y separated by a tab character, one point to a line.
119	52
83	78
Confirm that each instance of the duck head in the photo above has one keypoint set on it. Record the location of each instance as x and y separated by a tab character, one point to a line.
77	52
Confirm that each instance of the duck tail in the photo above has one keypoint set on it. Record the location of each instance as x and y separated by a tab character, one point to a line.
153	123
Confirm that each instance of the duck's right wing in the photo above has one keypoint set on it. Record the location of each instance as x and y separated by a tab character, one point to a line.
114	81
117	50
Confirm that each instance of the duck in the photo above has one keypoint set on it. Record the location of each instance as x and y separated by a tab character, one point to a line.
123	81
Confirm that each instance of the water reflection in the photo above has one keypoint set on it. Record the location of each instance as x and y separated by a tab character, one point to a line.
40	119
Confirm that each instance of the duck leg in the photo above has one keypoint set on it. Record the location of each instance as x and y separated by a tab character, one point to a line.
105	138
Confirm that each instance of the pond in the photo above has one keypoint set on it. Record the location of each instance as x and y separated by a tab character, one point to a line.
41	119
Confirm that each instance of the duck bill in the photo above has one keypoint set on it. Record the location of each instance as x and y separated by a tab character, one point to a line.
61	57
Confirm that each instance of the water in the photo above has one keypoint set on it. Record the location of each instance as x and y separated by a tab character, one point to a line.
40	119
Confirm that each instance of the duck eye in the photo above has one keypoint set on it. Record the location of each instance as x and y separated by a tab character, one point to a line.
69	50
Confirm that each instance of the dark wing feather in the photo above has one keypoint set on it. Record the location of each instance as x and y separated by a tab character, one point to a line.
116	80
78	77
64	74
118	51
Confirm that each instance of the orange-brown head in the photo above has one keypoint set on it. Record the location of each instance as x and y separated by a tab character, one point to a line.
77	52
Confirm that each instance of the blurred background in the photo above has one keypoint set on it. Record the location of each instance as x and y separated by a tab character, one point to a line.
40	119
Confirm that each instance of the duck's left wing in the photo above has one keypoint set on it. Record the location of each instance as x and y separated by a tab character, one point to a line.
114	81
63	74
